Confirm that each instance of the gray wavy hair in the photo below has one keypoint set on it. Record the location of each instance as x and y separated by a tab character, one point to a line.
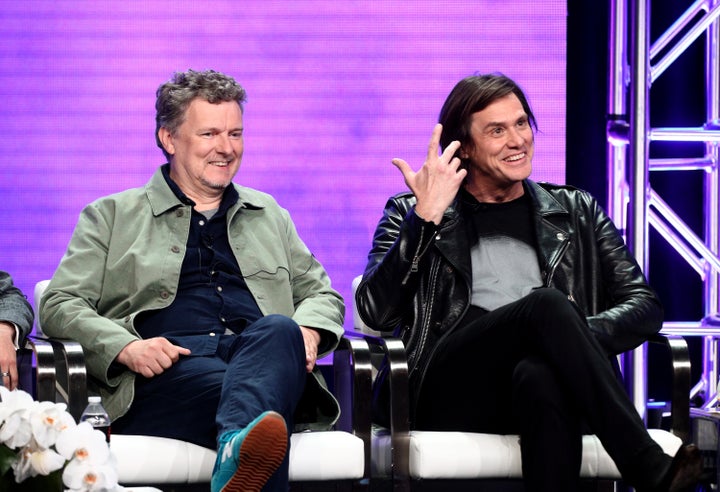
175	95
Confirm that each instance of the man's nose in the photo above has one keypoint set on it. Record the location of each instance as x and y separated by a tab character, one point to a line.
516	137
223	144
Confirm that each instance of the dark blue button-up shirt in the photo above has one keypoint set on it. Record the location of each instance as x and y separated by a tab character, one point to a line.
212	296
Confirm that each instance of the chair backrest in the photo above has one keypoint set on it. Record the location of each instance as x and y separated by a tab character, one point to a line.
37	294
358	323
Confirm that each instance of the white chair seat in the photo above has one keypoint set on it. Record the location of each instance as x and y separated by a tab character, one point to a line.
466	455
314	456
150	459
330	455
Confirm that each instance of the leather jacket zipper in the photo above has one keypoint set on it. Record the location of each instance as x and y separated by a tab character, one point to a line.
430	356
553	267
416	258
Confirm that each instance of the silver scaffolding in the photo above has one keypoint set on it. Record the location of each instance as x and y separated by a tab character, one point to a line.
635	63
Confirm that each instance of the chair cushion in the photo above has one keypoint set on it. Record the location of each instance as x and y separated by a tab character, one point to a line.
317	456
466	455
150	459
330	455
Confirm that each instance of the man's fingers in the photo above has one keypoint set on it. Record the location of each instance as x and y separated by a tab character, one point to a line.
403	166
175	351
434	144
449	152
13	376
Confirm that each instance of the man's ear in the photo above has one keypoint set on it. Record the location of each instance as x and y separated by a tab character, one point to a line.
166	140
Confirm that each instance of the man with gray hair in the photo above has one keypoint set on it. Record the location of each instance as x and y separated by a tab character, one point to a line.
200	311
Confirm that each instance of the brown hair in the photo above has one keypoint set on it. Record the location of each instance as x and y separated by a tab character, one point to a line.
473	94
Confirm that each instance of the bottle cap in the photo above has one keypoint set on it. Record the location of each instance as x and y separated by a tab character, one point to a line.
94	399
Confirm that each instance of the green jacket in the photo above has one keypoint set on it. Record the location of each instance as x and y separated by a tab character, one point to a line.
125	257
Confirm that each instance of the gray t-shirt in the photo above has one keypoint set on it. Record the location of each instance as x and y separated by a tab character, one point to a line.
504	258
504	270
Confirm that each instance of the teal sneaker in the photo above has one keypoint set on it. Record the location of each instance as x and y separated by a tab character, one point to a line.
247	458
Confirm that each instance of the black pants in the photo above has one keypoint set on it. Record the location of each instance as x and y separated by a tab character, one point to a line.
534	368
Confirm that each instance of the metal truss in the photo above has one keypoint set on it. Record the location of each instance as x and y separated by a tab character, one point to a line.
635	64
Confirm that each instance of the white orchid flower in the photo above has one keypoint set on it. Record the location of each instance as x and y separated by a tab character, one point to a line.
46	439
15	428
32	462
46	461
48	420
82	476
83	443
22	468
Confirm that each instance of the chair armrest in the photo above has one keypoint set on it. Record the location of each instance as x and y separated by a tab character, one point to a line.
396	358
394	351
45	372
353	389
61	373
681	383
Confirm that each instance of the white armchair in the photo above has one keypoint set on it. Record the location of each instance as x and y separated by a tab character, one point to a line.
339	457
430	460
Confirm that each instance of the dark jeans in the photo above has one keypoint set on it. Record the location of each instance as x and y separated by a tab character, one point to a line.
199	398
534	368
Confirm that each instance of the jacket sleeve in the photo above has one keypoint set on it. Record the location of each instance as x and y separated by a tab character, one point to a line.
69	306
317	304
385	295
14	306
633	311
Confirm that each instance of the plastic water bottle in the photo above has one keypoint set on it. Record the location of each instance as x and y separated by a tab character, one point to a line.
97	416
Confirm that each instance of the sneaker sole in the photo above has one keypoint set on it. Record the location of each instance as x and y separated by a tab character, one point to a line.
261	453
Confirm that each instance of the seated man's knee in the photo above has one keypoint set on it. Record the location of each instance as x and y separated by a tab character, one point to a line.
531	375
550	305
548	296
535	384
277	327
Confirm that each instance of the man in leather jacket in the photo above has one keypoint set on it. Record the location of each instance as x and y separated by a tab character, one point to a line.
512	297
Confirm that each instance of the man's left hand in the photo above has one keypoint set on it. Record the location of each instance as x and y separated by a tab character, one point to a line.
8	357
312	341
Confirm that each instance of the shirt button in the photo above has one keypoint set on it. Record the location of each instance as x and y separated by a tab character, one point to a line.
212	334
164	294
560	236
437	237
179	212
175	249
219	288
202	222
222	319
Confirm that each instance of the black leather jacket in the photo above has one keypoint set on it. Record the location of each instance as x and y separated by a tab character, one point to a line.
417	281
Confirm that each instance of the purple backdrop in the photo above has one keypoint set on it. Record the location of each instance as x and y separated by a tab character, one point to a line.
336	89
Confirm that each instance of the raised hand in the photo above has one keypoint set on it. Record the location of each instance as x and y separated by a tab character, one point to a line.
437	182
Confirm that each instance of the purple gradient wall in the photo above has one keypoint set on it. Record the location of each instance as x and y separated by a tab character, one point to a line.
336	89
